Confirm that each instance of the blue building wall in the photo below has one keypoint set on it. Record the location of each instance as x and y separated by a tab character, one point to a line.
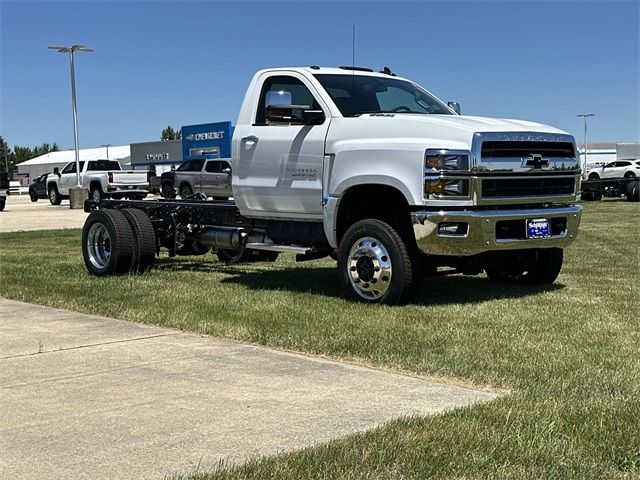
208	140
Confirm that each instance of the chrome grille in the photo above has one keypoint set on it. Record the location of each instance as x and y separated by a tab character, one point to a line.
526	149
527	187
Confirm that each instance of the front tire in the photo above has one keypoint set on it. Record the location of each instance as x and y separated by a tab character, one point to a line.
167	191
594	176
534	267
54	196
629	175
33	196
185	190
374	264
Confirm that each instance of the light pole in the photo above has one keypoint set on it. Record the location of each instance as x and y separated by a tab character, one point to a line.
585	116
106	145
70	50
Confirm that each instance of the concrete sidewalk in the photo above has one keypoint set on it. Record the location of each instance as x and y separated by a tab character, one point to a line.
91	397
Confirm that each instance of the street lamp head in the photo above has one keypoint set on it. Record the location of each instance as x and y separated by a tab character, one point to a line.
60	48
72	48
81	48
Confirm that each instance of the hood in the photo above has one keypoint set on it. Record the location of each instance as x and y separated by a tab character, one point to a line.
449	131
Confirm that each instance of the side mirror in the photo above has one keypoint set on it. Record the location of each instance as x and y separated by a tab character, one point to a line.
56	171
455	106
226	170
284	114
313	117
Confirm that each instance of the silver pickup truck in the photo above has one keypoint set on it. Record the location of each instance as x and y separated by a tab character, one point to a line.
211	177
375	171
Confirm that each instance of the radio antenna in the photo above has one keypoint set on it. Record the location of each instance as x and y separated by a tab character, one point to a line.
353	46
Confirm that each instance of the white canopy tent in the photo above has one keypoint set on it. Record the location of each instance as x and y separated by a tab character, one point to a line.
47	162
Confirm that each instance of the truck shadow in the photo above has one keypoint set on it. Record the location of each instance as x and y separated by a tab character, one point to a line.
456	289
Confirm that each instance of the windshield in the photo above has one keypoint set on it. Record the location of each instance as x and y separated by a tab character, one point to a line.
358	94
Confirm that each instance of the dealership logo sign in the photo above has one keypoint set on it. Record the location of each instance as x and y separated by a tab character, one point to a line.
157	156
205	136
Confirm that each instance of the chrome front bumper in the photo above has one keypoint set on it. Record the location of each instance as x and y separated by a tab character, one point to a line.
481	232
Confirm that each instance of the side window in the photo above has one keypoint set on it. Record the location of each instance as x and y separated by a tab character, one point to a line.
624	164
300	94
71	168
217	166
197	165
191	166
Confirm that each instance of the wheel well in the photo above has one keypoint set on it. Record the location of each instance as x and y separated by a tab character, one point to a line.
182	184
51	185
372	201
94	184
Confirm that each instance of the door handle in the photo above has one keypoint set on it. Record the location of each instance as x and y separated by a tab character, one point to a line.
250	141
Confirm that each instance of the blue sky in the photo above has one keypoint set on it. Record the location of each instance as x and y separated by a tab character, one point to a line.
158	63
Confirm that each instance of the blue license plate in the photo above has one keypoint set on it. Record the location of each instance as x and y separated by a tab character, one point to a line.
538	228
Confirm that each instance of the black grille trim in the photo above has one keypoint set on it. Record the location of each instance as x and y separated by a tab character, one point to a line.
499	149
527	187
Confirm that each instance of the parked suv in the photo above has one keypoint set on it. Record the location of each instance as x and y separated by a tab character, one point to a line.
211	177
617	169
38	188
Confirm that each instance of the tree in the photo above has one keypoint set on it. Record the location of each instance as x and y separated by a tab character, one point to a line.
4	155
11	157
170	134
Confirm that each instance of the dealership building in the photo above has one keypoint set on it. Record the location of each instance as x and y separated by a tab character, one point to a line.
208	140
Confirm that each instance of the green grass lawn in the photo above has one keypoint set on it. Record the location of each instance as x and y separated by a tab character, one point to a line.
569	354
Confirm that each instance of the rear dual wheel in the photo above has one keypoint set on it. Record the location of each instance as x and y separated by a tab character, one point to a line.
116	242
633	191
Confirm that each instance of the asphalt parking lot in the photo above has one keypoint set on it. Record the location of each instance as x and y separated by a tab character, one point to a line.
22	214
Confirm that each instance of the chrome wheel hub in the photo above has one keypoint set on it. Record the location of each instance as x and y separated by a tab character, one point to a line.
99	245
369	268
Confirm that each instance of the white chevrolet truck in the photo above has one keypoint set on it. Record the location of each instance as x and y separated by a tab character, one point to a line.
375	171
103	178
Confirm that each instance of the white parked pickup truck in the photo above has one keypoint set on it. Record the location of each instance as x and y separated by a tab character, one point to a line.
375	171
103	178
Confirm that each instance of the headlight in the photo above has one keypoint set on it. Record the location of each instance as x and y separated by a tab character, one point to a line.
444	173
447	187
437	161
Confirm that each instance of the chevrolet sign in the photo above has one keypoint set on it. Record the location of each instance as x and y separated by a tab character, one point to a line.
205	136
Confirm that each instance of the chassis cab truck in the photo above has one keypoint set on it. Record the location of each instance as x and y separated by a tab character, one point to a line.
375	171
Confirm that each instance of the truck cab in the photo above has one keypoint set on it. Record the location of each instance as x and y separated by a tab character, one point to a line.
335	144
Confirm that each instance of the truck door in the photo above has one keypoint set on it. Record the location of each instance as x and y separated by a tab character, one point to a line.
216	178
279	162
68	178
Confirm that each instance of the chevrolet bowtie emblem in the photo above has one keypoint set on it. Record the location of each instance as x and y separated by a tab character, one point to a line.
535	161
